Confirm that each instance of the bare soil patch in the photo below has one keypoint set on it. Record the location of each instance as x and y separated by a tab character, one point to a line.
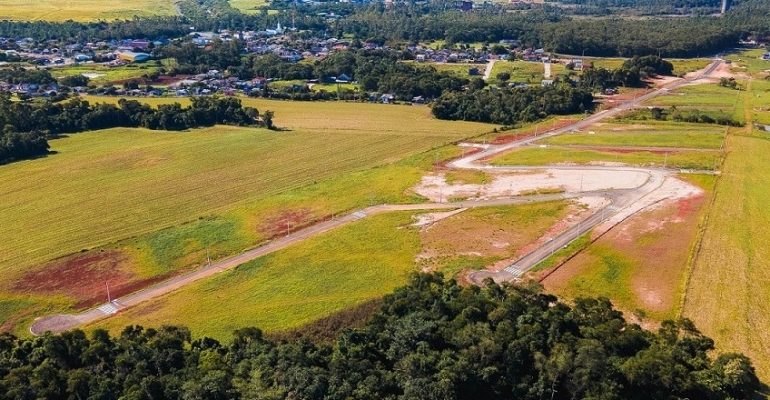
83	277
285	221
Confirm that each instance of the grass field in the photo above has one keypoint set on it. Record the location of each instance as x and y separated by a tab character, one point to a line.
703	96
648	135
521	71
728	296
82	10
292	287
248	6
117	190
559	155
102	74
683	66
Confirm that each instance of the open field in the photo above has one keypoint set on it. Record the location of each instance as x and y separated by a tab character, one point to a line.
560	155
236	186
683	66
294	286
82	10
521	71
728	295
100	74
704	96
649	134
477	238
640	265
748	61
248	6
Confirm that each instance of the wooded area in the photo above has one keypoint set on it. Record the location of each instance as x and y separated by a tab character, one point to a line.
431	339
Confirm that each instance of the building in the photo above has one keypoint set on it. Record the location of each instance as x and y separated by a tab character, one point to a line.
130	56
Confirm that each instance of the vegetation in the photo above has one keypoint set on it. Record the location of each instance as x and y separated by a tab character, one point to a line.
556	155
431	339
653	135
82	10
26	125
511	106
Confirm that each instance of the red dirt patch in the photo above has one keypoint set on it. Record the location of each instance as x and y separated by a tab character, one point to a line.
83	277
286	220
626	151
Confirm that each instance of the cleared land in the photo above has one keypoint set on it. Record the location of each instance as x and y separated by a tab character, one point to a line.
99	74
82	10
521	71
237	186
640	264
477	238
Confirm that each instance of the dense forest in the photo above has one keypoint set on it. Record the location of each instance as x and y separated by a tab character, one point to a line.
431	339
510	106
26	125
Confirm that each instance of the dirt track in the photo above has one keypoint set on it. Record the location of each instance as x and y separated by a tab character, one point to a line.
625	201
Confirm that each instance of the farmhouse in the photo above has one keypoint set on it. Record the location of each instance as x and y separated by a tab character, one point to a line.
130	56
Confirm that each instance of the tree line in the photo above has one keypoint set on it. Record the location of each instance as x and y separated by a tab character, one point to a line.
509	106
432	339
27	125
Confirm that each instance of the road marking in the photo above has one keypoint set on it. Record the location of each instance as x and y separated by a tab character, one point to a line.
359	214
513	270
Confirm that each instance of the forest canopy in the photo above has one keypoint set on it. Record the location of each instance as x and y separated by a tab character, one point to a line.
432	339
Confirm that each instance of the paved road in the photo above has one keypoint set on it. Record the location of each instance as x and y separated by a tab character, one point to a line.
619	200
488	71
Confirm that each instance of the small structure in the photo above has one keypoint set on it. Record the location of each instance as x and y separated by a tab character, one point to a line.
130	56
473	71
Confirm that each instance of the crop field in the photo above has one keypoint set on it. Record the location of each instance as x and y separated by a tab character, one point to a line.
728	296
559	155
82	10
639	265
235	186
292	287
699	136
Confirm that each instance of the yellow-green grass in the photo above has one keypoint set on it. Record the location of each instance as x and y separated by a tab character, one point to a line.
683	66
248	6
521	71
703	96
467	176
119	183
459	69
709	138
749	61
558	155
294	286
479	237
606	63
106	74
728	295
758	100
82	10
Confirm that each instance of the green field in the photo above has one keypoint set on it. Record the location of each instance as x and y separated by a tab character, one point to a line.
102	74
557	155
521	71
292	287
654	134
116	190
248	6
702	97
683	66
82	10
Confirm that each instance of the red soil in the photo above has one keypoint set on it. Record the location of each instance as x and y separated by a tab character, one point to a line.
84	277
277	225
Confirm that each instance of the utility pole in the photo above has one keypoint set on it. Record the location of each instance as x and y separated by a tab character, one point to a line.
109	298
288	228
208	257
665	161
581	182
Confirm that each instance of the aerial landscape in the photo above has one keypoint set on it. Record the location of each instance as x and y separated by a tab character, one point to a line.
270	199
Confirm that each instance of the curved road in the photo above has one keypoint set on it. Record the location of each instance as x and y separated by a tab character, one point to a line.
619	200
